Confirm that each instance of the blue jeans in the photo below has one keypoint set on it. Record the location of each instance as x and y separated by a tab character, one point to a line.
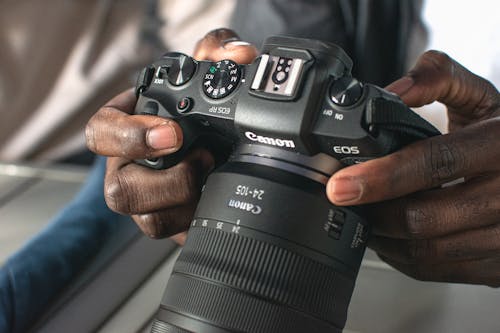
33	276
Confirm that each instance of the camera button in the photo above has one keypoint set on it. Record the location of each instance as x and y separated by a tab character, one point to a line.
180	70
162	72
336	224
334	233
184	104
345	91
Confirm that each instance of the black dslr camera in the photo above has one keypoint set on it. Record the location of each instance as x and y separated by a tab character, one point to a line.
266	251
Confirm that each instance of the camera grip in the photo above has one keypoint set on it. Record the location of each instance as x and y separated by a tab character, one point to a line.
191	138
195	135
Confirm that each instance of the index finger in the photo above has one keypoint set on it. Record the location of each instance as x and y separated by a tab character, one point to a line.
438	77
222	44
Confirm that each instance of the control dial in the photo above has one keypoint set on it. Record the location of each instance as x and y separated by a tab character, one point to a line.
221	79
345	91
178	68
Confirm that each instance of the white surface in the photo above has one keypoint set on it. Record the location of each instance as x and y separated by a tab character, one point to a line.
468	31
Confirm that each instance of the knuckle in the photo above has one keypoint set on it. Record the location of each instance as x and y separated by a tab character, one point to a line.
116	194
438	59
152	225
415	222
444	161
189	182
434	67
420	251
488	102
90	136
165	223
423	217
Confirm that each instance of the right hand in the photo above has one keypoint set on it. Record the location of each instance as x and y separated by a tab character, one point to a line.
161	202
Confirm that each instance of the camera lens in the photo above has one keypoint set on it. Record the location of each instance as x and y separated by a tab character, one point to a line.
260	256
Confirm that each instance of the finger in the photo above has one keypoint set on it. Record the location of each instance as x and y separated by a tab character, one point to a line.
468	245
439	212
483	271
181	184
124	101
222	44
437	77
180	238
426	164
168	222
113	132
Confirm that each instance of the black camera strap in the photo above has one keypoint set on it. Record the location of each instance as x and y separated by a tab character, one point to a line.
396	117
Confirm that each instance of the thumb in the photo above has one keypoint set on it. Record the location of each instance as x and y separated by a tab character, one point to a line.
420	166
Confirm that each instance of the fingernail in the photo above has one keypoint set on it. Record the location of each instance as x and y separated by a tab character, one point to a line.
162	137
401	86
345	189
234	43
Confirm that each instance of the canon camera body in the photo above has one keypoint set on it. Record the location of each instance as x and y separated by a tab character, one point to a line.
266	251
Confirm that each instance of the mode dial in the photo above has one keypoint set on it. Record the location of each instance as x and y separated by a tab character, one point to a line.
221	79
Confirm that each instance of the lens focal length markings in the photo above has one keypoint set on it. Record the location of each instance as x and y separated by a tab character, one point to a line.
219	225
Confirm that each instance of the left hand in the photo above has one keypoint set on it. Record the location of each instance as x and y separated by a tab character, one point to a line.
427	231
161	202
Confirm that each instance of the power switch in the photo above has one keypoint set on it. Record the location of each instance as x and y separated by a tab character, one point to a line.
177	68
162	72
346	91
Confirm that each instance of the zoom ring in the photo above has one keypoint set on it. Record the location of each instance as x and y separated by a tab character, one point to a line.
249	268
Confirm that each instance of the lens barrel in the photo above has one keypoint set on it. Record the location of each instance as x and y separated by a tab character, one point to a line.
266	252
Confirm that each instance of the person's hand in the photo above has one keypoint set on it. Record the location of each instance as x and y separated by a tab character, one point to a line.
427	231
161	202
